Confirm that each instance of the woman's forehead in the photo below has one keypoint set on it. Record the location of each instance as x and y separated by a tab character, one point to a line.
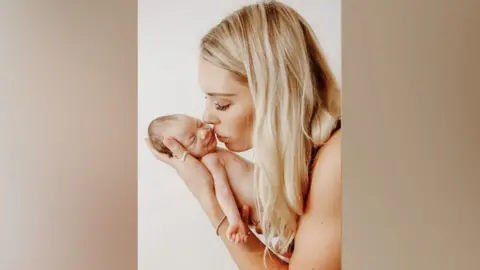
216	81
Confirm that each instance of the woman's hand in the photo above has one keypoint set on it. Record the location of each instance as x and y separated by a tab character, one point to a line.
193	173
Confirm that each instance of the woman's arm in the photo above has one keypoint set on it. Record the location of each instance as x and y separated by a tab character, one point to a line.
318	238
225	197
247	256
319	235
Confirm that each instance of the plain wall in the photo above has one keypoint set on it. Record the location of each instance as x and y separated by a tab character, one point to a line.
68	159
174	232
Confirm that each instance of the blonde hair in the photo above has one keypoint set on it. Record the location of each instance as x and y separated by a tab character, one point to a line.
297	104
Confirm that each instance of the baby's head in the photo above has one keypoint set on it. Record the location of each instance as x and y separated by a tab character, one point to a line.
195	136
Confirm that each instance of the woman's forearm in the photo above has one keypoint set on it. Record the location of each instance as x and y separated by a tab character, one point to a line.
247	256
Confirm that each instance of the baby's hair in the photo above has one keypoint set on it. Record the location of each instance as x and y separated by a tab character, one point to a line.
155	132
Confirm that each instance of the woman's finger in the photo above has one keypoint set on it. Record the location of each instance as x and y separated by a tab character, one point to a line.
258	229
245	214
175	147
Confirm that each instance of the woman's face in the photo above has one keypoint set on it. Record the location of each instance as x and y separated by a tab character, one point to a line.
228	106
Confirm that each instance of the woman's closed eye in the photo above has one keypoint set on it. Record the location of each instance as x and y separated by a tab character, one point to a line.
221	107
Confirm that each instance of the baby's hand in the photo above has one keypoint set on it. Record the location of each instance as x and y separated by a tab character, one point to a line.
237	232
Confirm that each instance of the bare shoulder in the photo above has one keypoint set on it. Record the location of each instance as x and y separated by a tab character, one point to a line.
327	166
318	238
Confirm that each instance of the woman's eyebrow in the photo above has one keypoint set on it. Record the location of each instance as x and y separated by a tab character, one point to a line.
212	94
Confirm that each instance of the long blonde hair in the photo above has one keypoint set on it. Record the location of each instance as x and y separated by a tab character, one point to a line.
297	103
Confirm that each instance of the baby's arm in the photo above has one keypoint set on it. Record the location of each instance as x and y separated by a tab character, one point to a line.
237	230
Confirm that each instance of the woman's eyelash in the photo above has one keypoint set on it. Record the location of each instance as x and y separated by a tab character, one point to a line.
218	106
221	108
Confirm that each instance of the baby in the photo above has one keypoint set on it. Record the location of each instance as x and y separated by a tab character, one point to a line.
231	173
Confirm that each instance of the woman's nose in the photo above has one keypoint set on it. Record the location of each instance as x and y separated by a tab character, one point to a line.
209	118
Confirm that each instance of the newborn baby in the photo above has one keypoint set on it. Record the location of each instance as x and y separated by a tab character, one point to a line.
231	173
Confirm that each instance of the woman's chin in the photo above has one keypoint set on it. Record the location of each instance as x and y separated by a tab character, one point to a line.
235	147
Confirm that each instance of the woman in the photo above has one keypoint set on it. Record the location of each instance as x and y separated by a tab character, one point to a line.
268	87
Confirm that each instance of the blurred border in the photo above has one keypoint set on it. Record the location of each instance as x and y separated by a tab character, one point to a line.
68	116
69	149
410	147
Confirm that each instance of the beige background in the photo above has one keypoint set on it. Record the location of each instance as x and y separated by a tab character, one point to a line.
68	135
411	170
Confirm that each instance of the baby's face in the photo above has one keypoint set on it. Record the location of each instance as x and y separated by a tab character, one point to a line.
194	135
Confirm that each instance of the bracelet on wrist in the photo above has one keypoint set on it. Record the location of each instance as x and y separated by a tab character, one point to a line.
219	224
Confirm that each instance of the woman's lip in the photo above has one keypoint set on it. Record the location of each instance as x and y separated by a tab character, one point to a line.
222	139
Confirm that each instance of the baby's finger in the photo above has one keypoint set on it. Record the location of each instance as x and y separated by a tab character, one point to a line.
229	237
237	238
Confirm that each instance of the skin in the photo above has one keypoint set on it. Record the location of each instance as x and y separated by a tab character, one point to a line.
195	136
217	164
318	239
228	107
226	168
